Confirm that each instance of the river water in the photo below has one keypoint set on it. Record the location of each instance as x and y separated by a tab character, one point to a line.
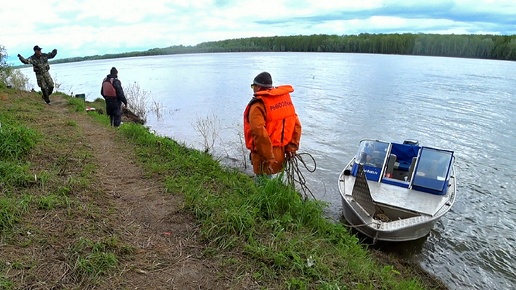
465	105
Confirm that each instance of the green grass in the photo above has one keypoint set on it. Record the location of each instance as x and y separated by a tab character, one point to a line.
91	259
9	214
264	228
282	237
5	283
15	140
45	174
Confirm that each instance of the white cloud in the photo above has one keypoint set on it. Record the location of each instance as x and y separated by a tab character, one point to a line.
88	27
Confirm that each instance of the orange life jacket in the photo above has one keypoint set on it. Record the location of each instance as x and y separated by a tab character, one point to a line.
280	118
107	88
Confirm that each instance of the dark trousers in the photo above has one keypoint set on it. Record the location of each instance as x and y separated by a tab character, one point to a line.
114	111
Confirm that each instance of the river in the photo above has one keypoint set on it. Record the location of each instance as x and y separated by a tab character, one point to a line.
465	105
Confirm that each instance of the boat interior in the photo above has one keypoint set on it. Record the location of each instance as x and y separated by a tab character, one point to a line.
405	165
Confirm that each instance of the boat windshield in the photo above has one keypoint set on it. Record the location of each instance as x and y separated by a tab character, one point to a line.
372	153
434	164
432	171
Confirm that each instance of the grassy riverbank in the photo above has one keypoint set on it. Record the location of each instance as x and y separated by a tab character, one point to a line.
85	206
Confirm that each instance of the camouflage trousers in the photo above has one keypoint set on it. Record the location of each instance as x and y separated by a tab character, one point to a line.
45	80
46	84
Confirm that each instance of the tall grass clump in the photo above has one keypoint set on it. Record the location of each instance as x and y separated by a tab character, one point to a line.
5	283
77	104
14	173
89	259
9	214
16	141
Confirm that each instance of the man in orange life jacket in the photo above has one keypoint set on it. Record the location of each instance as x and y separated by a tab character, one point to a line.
272	130
114	95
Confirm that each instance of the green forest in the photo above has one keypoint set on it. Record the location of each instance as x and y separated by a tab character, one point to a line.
500	47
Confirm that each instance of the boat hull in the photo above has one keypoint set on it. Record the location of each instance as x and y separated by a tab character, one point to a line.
378	230
386	212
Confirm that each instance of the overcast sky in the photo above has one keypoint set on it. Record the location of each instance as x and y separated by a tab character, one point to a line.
91	27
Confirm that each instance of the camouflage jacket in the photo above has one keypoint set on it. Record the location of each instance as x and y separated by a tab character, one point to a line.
39	63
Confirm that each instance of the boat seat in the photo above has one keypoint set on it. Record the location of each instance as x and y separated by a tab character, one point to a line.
404	154
402	165
390	165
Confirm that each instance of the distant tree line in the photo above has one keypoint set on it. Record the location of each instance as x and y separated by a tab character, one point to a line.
498	47
471	46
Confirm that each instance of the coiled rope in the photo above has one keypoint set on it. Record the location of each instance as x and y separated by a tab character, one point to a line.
294	174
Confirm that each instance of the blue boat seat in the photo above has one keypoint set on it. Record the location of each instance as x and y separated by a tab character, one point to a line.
404	155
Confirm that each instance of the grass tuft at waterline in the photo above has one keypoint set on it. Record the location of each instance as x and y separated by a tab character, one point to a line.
84	205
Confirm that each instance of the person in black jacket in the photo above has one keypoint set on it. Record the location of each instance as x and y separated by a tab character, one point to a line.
114	95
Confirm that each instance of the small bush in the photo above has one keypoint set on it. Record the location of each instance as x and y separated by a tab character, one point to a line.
139	103
209	129
137	100
5	68
18	80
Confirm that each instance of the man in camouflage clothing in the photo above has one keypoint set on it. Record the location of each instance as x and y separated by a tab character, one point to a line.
40	65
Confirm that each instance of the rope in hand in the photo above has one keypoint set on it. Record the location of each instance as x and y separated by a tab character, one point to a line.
294	174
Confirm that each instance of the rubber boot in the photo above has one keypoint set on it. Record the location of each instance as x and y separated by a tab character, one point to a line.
45	96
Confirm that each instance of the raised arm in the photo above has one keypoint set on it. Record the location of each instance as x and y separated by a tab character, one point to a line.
52	54
23	60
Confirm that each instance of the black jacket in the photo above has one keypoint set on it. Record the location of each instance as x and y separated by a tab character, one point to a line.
118	88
